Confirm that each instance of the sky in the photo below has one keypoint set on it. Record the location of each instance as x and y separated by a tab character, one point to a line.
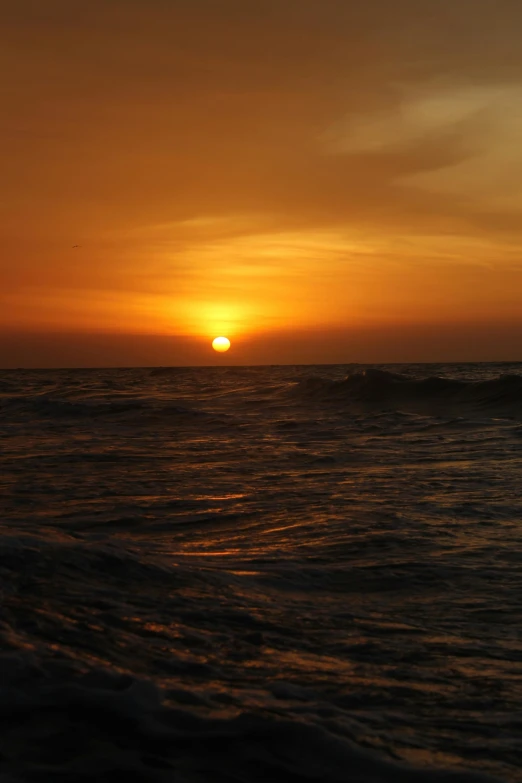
318	180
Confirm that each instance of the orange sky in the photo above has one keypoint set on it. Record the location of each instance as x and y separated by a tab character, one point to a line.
319	180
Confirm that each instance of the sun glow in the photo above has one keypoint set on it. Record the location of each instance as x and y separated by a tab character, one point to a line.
221	344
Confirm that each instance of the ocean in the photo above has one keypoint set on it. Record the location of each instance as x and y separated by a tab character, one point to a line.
273	574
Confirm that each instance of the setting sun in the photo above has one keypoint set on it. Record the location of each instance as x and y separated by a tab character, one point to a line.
221	344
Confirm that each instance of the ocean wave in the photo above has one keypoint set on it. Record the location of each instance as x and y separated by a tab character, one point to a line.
252	575
44	406
375	388
103	724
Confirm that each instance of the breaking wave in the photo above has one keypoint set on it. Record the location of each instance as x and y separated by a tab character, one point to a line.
107	725
500	396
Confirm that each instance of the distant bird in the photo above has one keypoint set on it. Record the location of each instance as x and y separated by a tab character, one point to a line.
76	246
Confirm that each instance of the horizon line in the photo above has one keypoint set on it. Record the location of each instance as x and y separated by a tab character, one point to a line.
236	366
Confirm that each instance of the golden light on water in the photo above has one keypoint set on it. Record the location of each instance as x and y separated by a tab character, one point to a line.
221	344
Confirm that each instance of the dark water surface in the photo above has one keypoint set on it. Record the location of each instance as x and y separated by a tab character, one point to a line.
261	573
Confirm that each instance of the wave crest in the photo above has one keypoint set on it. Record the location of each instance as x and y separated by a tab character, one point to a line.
501	396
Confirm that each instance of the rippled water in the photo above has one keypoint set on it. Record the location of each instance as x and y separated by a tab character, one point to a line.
265	573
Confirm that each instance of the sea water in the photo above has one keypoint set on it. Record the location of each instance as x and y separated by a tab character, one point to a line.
261	573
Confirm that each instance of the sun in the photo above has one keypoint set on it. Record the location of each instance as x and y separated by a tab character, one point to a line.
221	344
